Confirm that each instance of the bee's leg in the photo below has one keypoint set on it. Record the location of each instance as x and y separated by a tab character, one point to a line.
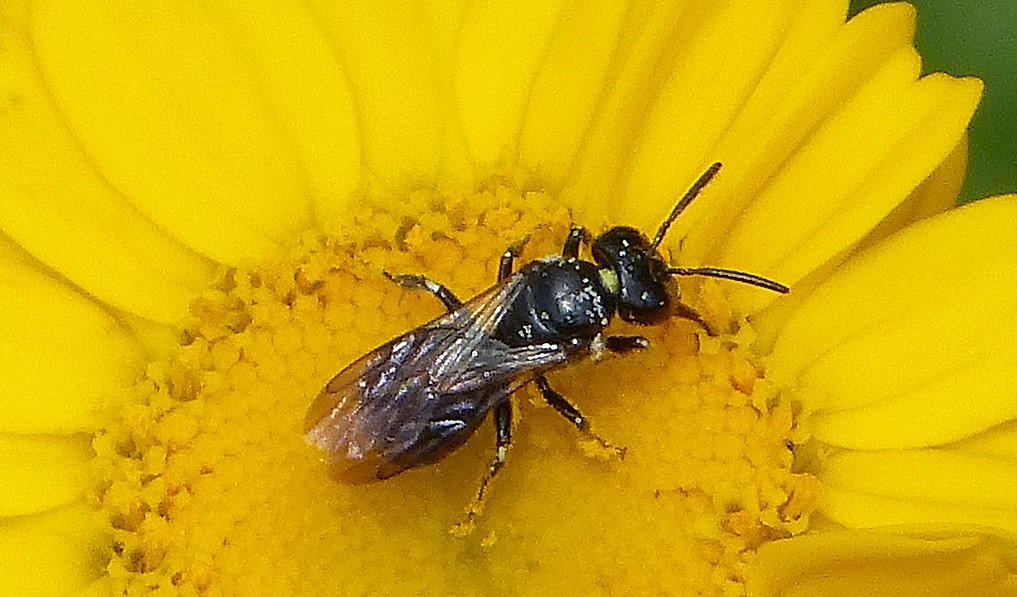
418	282
623	344
503	431
686	312
572	242
508	257
505	265
570	412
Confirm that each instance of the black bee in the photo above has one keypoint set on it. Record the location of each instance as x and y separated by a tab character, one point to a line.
415	399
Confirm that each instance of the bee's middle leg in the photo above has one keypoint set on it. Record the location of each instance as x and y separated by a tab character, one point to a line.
419	282
566	409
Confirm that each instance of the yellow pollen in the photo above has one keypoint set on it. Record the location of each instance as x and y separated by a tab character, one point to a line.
211	490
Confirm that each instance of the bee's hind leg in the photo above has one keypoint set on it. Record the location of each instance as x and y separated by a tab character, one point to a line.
418	282
503	430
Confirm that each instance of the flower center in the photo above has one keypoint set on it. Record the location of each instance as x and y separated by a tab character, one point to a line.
211	489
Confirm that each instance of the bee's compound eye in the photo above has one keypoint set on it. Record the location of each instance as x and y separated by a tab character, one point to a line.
646	304
619	246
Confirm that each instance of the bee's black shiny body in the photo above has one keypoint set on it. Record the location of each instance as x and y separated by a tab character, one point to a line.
418	397
561	301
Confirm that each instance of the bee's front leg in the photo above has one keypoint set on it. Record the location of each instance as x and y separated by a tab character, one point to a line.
624	344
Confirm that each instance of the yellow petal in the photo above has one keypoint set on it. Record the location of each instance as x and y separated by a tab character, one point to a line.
718	53
933	196
53	553
301	81
886	562
668	93
820	65
42	472
936	194
564	99
501	49
62	355
885	141
161	102
58	207
102	587
999	441
917	329
445	17
386	50
864	489
647	41
951	405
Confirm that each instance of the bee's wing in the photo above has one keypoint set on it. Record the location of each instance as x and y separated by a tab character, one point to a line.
416	398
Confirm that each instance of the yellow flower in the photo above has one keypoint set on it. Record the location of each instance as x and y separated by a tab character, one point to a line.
197	204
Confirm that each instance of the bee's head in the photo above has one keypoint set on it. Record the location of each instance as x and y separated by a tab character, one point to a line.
642	275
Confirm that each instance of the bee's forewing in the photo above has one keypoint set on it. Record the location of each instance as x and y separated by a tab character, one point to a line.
332	410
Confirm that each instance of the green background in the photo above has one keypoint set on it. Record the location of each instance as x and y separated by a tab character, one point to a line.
976	37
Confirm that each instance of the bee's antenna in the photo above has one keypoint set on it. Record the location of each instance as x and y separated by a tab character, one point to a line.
691	194
729	274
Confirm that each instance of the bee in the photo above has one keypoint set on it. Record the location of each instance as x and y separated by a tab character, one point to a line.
418	397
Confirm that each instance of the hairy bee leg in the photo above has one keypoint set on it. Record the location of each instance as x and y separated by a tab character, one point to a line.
503	434
624	344
418	282
566	409
573	241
